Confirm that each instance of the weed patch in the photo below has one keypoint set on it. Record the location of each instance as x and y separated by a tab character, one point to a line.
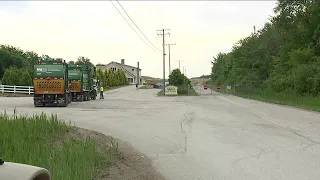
47	142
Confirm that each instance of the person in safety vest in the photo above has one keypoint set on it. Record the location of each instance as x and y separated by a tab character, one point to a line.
101	92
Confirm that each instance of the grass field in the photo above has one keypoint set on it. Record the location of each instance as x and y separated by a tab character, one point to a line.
283	98
46	142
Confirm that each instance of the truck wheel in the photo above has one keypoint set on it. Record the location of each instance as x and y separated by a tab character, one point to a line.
81	98
85	96
88	96
70	98
66	102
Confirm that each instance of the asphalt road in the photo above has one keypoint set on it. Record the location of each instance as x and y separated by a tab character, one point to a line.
202	137
201	91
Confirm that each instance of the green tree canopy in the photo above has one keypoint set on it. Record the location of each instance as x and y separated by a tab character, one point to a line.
176	78
111	78
84	60
282	56
17	76
16	68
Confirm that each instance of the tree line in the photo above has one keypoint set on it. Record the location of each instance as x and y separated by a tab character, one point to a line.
16	68
111	78
283	56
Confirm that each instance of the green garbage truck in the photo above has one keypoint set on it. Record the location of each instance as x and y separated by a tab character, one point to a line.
76	77
82	82
89	78
51	83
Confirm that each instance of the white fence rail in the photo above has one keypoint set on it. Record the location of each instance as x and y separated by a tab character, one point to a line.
16	89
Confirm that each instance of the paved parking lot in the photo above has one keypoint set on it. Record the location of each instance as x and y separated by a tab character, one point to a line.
201	137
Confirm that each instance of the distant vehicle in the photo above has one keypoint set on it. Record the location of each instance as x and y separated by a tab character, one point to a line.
205	87
158	86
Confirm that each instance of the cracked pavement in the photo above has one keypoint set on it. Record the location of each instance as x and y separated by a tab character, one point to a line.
201	137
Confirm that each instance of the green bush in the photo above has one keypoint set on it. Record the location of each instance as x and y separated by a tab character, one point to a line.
17	76
182	89
110	78
178	79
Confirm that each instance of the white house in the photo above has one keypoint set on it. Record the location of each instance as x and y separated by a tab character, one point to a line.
130	71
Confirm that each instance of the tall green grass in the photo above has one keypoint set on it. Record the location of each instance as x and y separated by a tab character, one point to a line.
41	140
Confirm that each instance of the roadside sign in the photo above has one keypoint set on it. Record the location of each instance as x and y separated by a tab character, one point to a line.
171	90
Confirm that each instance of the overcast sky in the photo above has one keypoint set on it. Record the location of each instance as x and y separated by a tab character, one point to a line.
96	30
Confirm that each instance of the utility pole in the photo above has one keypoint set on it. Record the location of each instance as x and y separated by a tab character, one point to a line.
164	55
138	82
179	64
169	56
184	69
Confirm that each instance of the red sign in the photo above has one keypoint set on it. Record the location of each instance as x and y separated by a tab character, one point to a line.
205	87
218	88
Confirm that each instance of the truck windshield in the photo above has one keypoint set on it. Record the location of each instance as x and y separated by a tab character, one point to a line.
52	70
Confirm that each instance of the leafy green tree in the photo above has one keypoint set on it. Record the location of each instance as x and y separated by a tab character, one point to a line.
16	68
16	76
84	60
283	56
111	78
176	78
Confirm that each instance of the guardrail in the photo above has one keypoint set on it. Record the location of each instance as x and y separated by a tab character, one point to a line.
16	89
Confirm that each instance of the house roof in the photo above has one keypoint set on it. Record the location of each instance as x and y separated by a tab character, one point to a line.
125	70
125	65
117	64
120	66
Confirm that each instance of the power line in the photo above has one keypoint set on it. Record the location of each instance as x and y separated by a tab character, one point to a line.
137	26
130	24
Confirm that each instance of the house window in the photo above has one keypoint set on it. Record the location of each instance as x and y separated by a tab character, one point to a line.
113	68
130	80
